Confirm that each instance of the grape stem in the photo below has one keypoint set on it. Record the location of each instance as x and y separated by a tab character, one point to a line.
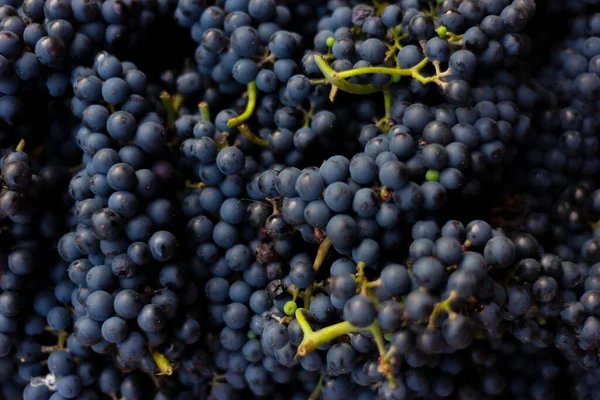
306	296
385	194
374	284
171	104
308	115
252	138
313	339
333	92
161	362
466	245
338	79
194	185
319	82
384	123
62	340
204	111
252	93
21	145
322	253
274	204
317	392
413	72
442	306
342	84
391	53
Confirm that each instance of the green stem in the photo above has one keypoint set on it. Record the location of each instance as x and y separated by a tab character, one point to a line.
342	84
360	268
161	362
413	72
322	253
252	92
384	366
387	102
244	130
308	115
390	353
306	297
383	123
374	284
62	339
171	104
317	392
204	111
312	340
294	292
439	308
378	338
21	145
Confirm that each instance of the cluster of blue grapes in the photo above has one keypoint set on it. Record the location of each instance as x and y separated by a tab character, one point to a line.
239	40
370	48
40	41
407	324
555	195
411	168
120	296
249	220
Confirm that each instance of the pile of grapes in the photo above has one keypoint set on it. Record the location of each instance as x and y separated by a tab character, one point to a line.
299	200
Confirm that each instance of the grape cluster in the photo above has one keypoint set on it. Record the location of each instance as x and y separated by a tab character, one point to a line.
41	41
299	200
242	42
364	49
411	168
128	291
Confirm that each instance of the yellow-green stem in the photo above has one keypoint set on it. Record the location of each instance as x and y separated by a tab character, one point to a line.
333	92
194	185
306	296
21	145
252	138
308	115
439	308
342	84
317	392
374	284
171	104
312	340
413	72
204	111
161	362
322	253
378	338
360	269
62	339
383	123
252	93
384	367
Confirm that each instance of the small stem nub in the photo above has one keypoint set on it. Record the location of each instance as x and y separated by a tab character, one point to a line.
322	253
171	104
21	145
204	111
161	362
